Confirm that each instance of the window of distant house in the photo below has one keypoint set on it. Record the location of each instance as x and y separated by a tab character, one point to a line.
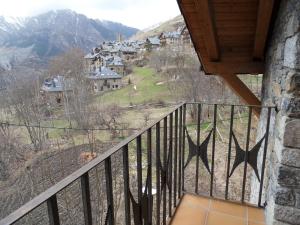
117	86
58	100
105	82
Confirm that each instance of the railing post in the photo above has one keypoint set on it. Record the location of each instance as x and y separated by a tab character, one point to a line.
139	171
198	144
149	153
165	144
158	173
183	143
264	158
175	158
246	154
213	150
126	184
53	211
229	151
180	164
170	162
109	191
85	190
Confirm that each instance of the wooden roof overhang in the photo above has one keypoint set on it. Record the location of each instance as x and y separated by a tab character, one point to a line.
229	37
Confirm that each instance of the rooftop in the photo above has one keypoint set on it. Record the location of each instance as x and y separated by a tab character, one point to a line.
103	73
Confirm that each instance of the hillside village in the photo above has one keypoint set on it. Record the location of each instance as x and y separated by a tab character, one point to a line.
106	64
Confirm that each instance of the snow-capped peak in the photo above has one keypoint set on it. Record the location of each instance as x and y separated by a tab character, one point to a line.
17	22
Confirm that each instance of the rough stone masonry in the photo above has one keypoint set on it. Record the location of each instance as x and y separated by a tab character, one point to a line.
281	87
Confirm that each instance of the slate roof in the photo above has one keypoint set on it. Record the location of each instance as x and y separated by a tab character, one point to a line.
154	40
103	73
91	55
57	84
115	61
128	49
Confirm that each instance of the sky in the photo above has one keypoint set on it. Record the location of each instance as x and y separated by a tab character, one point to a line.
140	14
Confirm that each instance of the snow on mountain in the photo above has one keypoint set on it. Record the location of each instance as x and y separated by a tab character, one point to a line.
53	32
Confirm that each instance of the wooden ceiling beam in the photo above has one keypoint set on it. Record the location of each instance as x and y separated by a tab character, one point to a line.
204	12
220	68
265	9
242	91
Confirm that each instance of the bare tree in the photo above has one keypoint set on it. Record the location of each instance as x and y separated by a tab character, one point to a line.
23	99
109	118
70	65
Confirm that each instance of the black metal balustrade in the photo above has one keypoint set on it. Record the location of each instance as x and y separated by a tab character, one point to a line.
176	161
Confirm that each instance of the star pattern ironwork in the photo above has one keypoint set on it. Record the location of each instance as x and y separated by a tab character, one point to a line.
140	210
252	156
200	151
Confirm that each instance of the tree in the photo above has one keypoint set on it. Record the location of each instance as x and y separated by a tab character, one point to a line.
23	99
70	65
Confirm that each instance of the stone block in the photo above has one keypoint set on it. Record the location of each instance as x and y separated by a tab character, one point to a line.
292	83
276	222
297	197
293	24
285	196
289	176
287	214
291	157
292	134
291	106
292	52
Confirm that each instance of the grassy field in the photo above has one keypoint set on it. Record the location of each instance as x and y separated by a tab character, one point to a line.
148	89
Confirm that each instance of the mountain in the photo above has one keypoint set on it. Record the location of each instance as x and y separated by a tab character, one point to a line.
170	25
51	33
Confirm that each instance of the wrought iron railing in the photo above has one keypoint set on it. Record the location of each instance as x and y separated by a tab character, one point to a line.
158	166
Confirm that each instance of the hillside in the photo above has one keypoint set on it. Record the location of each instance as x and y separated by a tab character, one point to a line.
51	33
170	25
146	87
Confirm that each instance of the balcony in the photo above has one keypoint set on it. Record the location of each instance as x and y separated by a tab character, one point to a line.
197	210
200	164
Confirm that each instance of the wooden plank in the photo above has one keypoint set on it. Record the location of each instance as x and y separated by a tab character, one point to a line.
205	14
242	91
238	7
264	15
220	68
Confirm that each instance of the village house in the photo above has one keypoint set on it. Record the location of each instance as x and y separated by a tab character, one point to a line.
128	52
185	36
116	64
104	79
92	61
170	38
152	43
55	89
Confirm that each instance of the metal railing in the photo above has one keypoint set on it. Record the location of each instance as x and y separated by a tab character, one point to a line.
167	166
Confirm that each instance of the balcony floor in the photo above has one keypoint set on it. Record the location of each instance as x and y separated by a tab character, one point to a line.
196	210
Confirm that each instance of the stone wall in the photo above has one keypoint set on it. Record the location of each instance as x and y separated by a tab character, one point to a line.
282	88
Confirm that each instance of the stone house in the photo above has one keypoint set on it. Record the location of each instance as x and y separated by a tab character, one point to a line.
185	36
55	89
92	61
170	38
116	64
104	79
152	43
128	53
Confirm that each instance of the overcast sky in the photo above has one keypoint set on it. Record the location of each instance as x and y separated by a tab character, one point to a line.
136	13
